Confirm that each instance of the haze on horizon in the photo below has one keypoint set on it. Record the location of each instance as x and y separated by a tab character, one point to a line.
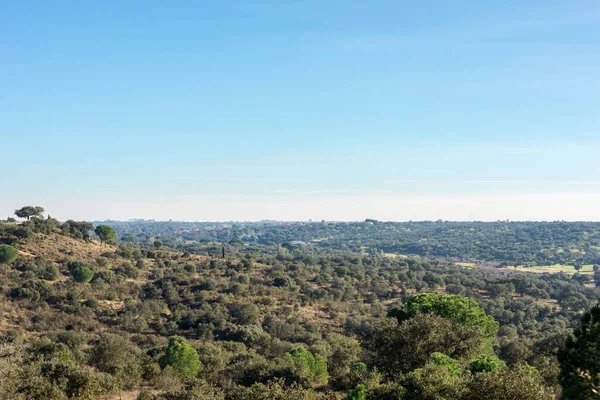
257	110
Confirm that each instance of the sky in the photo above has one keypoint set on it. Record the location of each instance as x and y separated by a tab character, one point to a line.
297	110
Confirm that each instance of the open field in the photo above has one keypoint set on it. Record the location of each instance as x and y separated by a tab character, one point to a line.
394	255
567	269
541	269
466	264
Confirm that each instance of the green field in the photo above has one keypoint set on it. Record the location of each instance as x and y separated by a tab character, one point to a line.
567	269
466	264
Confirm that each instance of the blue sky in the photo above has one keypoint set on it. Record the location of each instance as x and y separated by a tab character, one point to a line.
220	110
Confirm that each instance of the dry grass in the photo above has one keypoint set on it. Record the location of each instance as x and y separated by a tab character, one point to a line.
551	269
57	248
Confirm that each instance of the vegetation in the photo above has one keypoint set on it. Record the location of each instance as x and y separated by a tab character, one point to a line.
312	364
181	358
269	320
504	243
106	233
29	211
458	309
8	254
82	274
580	359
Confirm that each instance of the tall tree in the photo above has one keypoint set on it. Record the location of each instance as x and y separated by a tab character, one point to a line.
8	254
78	229
580	359
181	358
401	347
457	309
29	211
105	233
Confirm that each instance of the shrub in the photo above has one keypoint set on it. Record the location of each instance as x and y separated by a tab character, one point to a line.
8	254
181	358
83	274
485	363
315	364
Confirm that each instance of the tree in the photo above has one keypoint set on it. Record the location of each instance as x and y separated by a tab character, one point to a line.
117	356
344	355
357	394
401	347
458	309
8	254
439	379
485	363
442	360
105	233
181	358
82	274
581	358
77	229
521	383
314	364
29	211
158	244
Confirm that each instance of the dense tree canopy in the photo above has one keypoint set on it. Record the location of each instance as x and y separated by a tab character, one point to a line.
106	233
459	309
280	317
580	359
314	364
29	211
501	242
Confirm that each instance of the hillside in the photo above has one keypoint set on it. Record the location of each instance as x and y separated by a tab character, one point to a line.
84	319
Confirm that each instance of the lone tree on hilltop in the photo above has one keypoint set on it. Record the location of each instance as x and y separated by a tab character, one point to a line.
105	233
29	211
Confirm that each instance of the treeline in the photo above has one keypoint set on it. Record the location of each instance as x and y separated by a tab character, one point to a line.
510	243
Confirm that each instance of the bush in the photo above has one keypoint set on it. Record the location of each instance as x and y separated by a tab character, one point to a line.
8	254
119	357
127	270
83	274
520	383
484	363
315	364
357	394
181	358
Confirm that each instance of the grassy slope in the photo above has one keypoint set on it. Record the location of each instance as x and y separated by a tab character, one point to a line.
59	249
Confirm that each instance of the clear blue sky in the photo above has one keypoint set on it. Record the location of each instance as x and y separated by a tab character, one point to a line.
219	110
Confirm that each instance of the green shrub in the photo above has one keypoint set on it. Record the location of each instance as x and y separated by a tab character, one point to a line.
485	363
8	254
82	274
314	364
181	358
